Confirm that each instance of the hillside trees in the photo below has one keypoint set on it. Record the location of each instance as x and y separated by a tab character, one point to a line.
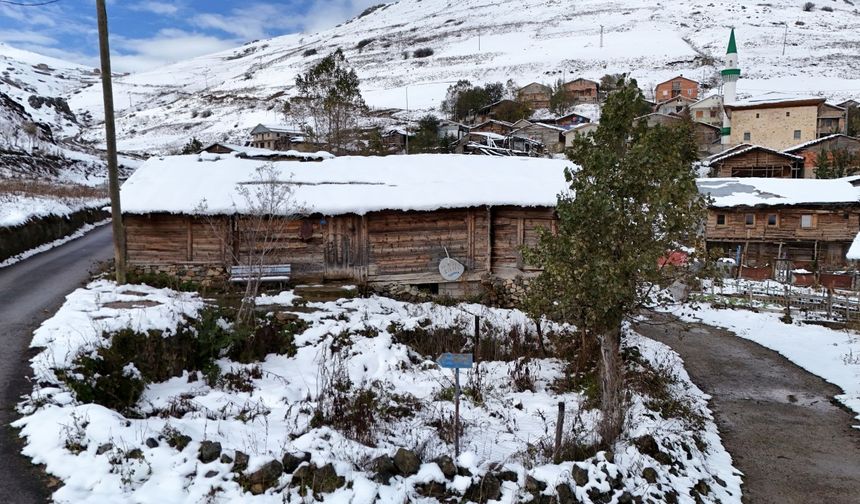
560	101
329	102
633	199
836	163
192	147
463	99
853	116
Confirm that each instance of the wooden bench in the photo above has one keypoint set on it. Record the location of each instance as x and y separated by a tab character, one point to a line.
265	272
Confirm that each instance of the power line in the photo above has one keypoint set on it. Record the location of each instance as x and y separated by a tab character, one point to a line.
34	4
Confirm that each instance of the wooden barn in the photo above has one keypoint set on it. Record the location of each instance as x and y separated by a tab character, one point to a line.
810	151
374	220
493	126
774	227
264	154
747	160
582	90
535	95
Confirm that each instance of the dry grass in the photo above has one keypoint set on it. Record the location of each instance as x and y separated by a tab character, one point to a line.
50	189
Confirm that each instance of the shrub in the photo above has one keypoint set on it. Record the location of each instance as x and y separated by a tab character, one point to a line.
309	52
808	7
827	8
423	52
364	43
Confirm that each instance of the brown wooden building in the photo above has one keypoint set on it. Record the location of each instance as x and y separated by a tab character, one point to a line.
747	160
493	126
778	226
535	95
368	220
582	90
810	151
676	86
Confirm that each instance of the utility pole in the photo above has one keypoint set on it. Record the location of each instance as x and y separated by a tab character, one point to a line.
784	38
110	140
407	120
601	35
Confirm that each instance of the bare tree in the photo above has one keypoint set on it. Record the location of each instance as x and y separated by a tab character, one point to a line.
263	215
32	131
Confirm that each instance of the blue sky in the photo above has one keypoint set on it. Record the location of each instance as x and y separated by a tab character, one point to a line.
149	33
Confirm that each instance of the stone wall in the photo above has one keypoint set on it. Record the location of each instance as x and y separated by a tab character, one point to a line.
36	232
207	275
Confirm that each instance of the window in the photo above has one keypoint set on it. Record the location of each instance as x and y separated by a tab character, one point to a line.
788	114
700	113
749	219
721	219
747	136
797	134
772	220
757	115
713	113
807	221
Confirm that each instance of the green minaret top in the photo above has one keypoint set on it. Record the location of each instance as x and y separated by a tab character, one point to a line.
733	48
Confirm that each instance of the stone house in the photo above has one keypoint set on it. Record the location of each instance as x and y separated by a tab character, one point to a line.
676	86
774	121
535	95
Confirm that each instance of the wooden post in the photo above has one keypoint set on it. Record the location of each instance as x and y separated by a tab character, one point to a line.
489	239
559	431
457	413
477	339
119	244
829	303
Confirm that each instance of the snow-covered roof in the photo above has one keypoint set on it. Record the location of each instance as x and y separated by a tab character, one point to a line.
749	192
276	128
775	100
256	152
854	250
550	126
810	143
179	184
743	149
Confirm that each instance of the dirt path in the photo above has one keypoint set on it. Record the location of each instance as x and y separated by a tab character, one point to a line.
777	420
31	291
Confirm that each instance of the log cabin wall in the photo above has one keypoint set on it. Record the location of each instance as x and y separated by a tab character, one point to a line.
757	163
775	231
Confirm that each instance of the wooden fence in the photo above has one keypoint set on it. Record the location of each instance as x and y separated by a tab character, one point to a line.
835	304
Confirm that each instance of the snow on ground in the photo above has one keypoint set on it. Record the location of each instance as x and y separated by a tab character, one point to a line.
18	209
103	456
831	354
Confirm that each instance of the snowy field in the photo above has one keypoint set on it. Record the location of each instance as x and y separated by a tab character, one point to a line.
17	209
301	402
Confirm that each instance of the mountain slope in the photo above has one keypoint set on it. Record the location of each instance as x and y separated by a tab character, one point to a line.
220	96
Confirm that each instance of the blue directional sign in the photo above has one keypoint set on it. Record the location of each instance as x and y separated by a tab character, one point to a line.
455	360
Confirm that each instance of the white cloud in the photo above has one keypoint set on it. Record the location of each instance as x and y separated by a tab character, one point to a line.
26	37
164	8
167	46
251	21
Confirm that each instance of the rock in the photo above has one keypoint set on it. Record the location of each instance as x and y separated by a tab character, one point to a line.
384	469
134	453
565	494
650	475
446	464
488	488
264	478
464	471
326	480
209	451
179	442
580	475
647	445
625	498
241	462
226	459
508	476
702	487
432	490
598	497
104	448
151	443
534	485
211	474
546	499
292	461
407	462
720	481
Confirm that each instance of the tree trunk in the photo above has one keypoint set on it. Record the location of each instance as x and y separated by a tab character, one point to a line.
611	381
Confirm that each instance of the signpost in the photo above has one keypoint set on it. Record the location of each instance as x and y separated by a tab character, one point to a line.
456	361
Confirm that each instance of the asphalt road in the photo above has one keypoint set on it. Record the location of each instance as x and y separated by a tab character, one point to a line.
30	292
776	419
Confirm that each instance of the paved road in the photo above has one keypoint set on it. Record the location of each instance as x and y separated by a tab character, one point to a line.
777	420
31	291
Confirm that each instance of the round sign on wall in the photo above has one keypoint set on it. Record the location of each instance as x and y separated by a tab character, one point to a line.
450	269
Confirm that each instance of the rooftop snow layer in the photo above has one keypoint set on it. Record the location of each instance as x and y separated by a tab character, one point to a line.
731	192
854	250
179	184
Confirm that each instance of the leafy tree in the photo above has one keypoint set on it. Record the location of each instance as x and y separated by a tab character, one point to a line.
610	82
853	121
426	139
513	111
463	99
836	163
193	146
633	199
561	101
329	101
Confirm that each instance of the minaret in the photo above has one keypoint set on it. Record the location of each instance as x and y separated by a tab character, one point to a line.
730	75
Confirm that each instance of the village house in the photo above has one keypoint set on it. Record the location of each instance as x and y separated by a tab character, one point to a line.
774	121
810	151
849	104
254	153
490	111
582	90
747	160
784	229
374	221
677	105
567	120
395	139
677	86
535	95
549	135
832	119
493	144
276	137
493	126
708	110
707	137
452	130
580	129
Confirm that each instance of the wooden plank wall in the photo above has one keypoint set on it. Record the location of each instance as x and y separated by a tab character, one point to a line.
835	224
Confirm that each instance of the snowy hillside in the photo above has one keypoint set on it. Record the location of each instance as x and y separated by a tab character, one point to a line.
219	97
